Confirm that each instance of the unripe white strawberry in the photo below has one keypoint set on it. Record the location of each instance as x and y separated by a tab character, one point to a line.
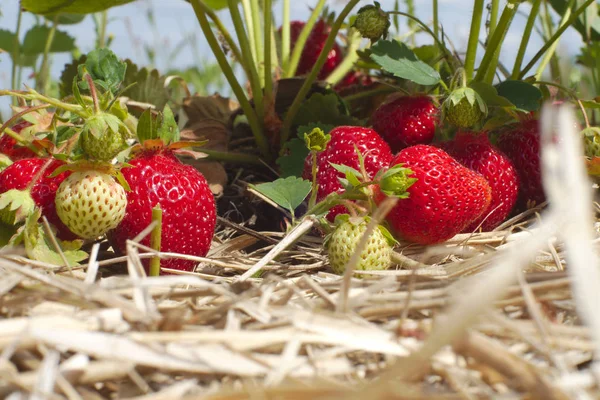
342	243
90	203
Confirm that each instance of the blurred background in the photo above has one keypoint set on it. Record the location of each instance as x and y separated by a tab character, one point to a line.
164	34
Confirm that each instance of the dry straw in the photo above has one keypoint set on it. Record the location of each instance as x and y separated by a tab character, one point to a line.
506	314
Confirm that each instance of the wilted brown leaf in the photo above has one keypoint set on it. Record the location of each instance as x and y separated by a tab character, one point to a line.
208	118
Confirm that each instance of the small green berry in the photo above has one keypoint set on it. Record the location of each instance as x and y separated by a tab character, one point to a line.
372	22
464	108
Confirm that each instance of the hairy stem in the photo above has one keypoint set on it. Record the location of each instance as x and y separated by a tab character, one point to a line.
253	121
473	38
552	49
155	239
102	29
555	37
495	42
258	39
436	19
285	36
268	70
315	185
348	62
535	9
299	45
250	27
16	55
232	157
312	76
43	73
253	78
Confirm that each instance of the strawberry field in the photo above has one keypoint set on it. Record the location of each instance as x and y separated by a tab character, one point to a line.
350	205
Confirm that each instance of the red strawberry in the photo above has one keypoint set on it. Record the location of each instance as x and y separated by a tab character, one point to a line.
340	150
444	200
406	121
521	143
475	152
188	206
20	174
9	146
313	48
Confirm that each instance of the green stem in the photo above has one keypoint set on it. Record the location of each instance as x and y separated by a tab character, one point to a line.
250	27
102	29
436	19
249	112
473	38
16	55
535	9
495	42
348	62
232	157
551	51
494	10
285	36
258	39
315	185
437	40
312	76
33	95
301	41
369	93
155	239
254	79
43	73
268	70
555	37
237	54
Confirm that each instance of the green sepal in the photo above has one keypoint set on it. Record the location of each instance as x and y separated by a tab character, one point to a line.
396	181
316	140
16	206
5	161
352	175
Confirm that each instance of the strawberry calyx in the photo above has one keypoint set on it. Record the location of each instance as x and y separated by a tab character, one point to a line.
15	206
396	181
100	166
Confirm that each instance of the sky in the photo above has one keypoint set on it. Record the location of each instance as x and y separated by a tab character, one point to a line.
175	20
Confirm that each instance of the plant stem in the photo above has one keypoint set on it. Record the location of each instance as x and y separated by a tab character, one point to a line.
155	239
249	112
250	27
312	76
427	29
43	73
348	62
33	95
315	185
268	70
16	55
473	38
237	54
555	37
301	41
495	42
285	36
258	39
102	29
254	79
551	51
495	8
535	9
369	93
232	157
436	19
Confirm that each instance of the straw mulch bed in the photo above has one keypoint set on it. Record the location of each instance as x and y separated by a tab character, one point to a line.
507	314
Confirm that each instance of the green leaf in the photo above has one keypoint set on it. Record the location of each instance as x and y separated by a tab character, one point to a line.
288	192
5	161
15	206
68	74
352	175
489	94
216	4
324	109
6	233
396	58
147	126
291	163
105	68
70	6
7	41
65	18
149	85
523	95
38	245
168	131
35	39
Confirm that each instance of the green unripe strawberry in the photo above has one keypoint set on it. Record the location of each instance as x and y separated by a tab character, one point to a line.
372	22
90	203
342	243
102	137
591	141
464	108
